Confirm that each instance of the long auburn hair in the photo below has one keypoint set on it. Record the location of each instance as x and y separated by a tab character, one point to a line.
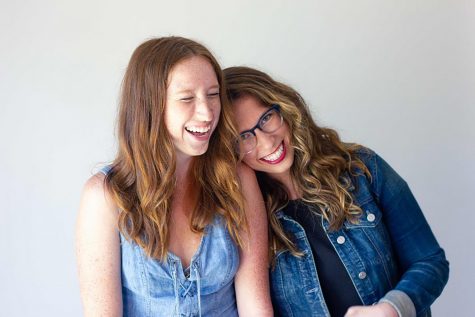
322	163
142	177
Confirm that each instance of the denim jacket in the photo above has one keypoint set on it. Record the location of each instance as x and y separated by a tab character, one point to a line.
391	254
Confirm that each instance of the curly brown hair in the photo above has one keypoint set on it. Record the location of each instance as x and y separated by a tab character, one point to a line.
321	159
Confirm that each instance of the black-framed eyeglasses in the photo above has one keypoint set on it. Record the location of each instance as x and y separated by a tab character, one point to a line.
269	122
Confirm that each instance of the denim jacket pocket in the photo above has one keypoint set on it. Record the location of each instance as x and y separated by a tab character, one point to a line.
372	242
370	217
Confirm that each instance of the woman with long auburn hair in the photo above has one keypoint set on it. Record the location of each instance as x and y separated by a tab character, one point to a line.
347	236
163	230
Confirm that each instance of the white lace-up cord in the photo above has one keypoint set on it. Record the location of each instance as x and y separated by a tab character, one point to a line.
198	285
175	285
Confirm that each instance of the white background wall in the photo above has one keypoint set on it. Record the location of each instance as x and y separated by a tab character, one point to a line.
397	76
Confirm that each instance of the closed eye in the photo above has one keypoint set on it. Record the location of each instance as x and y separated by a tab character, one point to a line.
186	99
214	94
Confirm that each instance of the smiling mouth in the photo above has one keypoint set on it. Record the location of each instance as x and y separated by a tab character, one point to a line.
277	156
198	131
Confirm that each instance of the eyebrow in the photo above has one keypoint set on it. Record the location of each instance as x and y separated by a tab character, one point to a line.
186	90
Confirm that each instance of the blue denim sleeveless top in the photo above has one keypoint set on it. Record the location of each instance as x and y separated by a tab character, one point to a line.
164	288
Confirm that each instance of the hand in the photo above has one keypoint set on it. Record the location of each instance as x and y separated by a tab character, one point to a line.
378	310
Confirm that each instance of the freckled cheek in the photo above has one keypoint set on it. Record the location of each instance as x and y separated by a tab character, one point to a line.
216	116
217	112
217	108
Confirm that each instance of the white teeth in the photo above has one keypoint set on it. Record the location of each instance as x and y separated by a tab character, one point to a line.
198	129
274	156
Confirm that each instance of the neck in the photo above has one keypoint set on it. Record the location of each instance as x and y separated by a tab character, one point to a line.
185	193
289	185
183	164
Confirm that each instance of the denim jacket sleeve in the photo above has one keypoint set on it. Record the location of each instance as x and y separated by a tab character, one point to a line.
424	268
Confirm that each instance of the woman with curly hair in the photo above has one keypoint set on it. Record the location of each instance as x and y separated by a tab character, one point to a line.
347	236
162	231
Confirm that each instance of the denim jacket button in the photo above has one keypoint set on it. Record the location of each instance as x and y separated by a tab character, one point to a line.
371	217
362	275
340	240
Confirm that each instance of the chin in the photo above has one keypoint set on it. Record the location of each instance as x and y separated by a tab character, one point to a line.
284	168
199	152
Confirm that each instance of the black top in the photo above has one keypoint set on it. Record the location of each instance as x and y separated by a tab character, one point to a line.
337	287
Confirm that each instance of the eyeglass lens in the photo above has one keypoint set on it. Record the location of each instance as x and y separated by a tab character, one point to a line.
268	123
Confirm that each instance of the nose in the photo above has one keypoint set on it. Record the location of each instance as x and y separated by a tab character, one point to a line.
265	141
203	109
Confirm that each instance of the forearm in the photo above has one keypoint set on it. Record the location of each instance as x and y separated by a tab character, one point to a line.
252	292
424	281
400	302
252	278
422	263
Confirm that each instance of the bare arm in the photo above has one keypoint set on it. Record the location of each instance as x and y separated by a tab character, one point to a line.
252	278
98	251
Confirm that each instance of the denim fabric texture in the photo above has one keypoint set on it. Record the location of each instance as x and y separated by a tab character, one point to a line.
161	288
391	254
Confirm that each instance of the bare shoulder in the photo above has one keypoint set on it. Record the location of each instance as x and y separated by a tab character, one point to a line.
246	174
95	187
249	186
97	209
96	197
